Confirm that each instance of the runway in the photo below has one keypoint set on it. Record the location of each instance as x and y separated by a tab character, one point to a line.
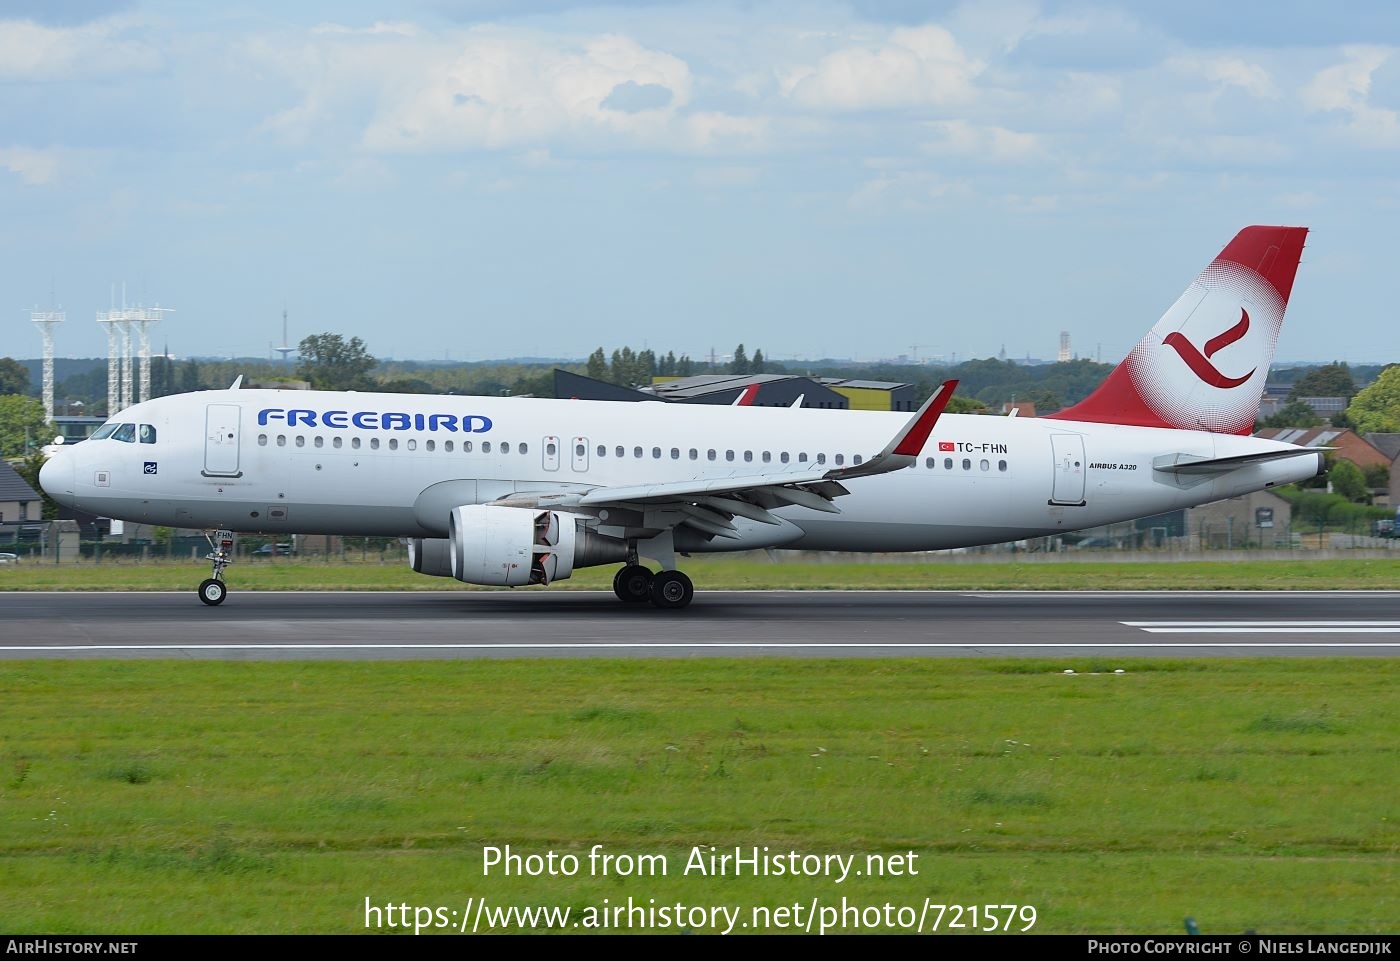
458	624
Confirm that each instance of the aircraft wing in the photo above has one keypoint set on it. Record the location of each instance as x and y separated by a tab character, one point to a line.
706	502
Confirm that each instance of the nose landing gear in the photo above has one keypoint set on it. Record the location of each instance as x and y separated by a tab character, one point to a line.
212	590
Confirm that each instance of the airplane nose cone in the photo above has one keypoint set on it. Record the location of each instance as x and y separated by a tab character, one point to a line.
56	478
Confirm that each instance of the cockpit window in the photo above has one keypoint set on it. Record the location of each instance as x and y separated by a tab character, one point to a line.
148	433
103	432
126	433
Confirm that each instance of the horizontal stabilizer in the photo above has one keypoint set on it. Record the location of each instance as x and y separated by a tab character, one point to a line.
1193	464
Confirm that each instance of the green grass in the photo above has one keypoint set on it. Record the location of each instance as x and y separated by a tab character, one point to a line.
147	797
718	573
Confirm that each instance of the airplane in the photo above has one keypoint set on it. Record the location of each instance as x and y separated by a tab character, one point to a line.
516	491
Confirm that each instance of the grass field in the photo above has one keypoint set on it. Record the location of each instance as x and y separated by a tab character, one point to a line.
716	573
147	797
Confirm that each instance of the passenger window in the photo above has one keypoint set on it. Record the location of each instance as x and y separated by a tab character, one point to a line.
354	443
783	457
729	455
694	454
281	440
675	453
447	446
928	462
986	464
579	449
603	451
1001	466
524	448
802	457
655	453
335	442
301	440
821	458
856	459
148	434
486	447
748	457
262	440
967	463
505	447
550	449
947	463
430	446
840	459
374	443
767	457
466	447
411	443
710	453
636	452
318	441
126	433
393	443
621	451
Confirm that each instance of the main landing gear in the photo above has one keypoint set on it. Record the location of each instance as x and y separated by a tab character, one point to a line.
212	590
668	590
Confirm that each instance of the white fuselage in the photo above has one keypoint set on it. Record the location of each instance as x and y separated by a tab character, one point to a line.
396	464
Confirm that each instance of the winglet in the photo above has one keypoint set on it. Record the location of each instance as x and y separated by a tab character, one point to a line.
746	396
916	432
904	448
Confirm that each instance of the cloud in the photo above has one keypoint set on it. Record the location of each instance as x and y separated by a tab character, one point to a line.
1346	88
632	97
33	51
1228	72
912	66
36	167
984	142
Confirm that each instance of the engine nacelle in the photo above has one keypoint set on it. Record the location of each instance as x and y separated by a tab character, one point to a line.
430	555
514	546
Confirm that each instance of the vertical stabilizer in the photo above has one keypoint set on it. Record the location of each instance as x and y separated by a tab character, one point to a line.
1203	366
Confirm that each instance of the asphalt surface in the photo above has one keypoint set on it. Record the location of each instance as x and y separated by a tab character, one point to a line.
399	625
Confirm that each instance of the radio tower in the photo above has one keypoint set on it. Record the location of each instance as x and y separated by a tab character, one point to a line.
1064	346
286	348
47	320
120	325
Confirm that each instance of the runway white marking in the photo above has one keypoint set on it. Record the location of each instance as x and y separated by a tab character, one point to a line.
696	646
1265	627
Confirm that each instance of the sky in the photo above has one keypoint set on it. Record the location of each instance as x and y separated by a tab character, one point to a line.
472	180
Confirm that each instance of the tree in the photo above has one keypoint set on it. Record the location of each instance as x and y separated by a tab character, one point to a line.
965	405
758	365
598	365
1348	481
14	376
1377	408
1329	380
330	362
1295	413
740	363
22	425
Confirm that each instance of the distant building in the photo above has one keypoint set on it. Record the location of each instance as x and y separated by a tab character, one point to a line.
1389	445
20	504
571	386
874	394
774	390
1021	408
1348	444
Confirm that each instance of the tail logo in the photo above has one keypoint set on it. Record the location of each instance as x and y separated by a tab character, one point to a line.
1200	364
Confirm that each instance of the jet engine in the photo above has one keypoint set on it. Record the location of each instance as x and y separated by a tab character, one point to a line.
430	555
512	546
